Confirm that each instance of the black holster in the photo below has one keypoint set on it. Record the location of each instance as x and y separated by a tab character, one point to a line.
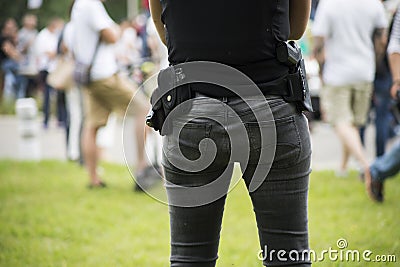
289	54
170	93
299	92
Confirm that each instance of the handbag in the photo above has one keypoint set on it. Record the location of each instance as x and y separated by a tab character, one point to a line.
61	78
82	71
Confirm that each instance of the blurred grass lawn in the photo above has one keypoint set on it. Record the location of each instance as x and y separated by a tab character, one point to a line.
49	218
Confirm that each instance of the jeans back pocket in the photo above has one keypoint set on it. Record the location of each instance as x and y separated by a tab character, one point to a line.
287	147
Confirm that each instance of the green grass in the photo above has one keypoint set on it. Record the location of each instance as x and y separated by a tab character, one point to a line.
49	218
7	108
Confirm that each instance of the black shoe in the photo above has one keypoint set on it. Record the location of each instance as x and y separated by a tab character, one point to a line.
376	191
373	186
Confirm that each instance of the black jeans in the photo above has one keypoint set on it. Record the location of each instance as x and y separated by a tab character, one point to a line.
280	201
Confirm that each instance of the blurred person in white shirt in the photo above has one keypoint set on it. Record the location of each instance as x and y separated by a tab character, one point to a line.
128	47
27	68
74	101
46	52
347	32
95	36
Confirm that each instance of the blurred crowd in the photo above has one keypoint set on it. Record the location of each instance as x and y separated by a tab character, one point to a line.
26	51
28	56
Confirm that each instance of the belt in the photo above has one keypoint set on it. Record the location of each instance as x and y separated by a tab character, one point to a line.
274	88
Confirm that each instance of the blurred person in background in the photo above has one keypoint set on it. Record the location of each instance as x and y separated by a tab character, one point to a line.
159	52
140	66
27	66
388	164
384	167
74	100
107	91
128	47
381	100
46	52
139	23
159	56
9	57
347	34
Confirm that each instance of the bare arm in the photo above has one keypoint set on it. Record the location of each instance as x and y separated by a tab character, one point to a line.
110	35
11	51
380	41
155	10
319	51
299	13
394	62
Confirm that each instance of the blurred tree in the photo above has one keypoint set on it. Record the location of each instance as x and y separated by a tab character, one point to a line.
117	9
54	8
11	8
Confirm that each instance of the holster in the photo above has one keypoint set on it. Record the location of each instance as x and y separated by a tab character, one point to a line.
170	93
289	53
298	91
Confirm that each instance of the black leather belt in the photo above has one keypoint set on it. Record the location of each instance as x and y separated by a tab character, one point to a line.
274	88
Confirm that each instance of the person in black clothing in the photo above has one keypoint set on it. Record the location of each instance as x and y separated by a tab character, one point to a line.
8	37
244	36
9	56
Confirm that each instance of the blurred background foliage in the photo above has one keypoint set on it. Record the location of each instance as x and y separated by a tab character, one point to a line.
54	8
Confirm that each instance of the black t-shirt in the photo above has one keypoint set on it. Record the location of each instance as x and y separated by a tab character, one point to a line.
241	34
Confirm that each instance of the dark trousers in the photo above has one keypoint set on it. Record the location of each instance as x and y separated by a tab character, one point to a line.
274	154
383	116
47	91
61	105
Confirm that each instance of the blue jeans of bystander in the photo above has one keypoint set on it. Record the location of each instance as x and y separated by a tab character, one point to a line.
386	165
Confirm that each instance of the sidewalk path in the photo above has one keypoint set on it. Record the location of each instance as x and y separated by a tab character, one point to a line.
52	140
